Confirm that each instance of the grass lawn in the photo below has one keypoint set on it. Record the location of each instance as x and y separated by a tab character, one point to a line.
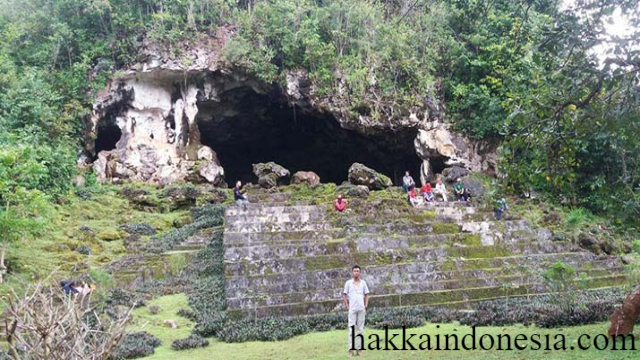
333	344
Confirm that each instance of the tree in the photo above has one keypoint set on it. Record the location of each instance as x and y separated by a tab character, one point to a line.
23	208
47	324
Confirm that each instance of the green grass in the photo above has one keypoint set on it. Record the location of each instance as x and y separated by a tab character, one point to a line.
333	344
106	211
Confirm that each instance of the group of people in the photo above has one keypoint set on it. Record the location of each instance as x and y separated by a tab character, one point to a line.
77	289
428	193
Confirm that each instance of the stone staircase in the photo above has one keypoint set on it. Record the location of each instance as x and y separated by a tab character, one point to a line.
293	260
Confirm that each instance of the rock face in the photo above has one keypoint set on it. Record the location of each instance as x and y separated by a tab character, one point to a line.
305	177
623	320
438	142
270	174
362	175
148	124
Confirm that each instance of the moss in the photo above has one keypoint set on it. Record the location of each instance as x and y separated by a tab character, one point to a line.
470	240
445	228
109	235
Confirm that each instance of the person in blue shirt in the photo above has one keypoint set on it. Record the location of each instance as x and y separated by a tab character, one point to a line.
69	287
238	196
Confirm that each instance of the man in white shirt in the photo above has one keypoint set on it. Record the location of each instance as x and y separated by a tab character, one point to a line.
356	300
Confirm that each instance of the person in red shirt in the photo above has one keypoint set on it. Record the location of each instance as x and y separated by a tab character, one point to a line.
427	192
340	204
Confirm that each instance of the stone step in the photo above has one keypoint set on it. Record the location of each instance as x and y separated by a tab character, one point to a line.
267	209
248	239
278	227
282	248
253	300
302	216
447	268
392	256
440	297
438	280
362	244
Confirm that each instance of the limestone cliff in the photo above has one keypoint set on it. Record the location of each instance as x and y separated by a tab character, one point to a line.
164	119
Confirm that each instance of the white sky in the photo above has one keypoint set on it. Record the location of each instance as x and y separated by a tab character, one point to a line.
616	25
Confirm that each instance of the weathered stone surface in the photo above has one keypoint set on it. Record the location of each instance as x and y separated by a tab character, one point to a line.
623	320
440	142
211	172
270	174
293	260
590	242
158	105
350	190
362	175
453	173
305	177
475	187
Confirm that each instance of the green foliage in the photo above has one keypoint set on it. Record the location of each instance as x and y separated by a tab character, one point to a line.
578	217
136	345
191	342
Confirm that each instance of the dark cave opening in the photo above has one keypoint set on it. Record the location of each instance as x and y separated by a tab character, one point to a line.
108	135
245	127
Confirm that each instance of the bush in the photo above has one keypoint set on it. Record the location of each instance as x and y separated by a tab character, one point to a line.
139	229
154	309
266	329
121	297
192	342
84	250
205	217
136	345
636	246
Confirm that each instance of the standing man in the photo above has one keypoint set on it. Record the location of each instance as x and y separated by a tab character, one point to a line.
407	182
356	299
238	196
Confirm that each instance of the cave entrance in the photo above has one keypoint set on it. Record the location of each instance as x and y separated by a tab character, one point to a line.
245	127
108	135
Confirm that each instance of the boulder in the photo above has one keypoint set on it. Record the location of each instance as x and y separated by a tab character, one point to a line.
206	153
350	190
475	187
440	142
590	242
362	175
211	172
170	323
624	319
79	181
451	174
270	174
305	177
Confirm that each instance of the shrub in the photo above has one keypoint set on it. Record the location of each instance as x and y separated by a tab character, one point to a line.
186	313
191	342
84	193
138	229
136	345
121	297
577	217
154	309
210	217
266	329
636	246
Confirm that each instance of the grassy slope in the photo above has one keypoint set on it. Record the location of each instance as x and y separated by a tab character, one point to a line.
333	344
55	252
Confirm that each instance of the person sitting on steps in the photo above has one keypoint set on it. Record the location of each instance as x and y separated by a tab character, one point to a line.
460	190
440	189
239	197
427	192
407	182
414	199
340	204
